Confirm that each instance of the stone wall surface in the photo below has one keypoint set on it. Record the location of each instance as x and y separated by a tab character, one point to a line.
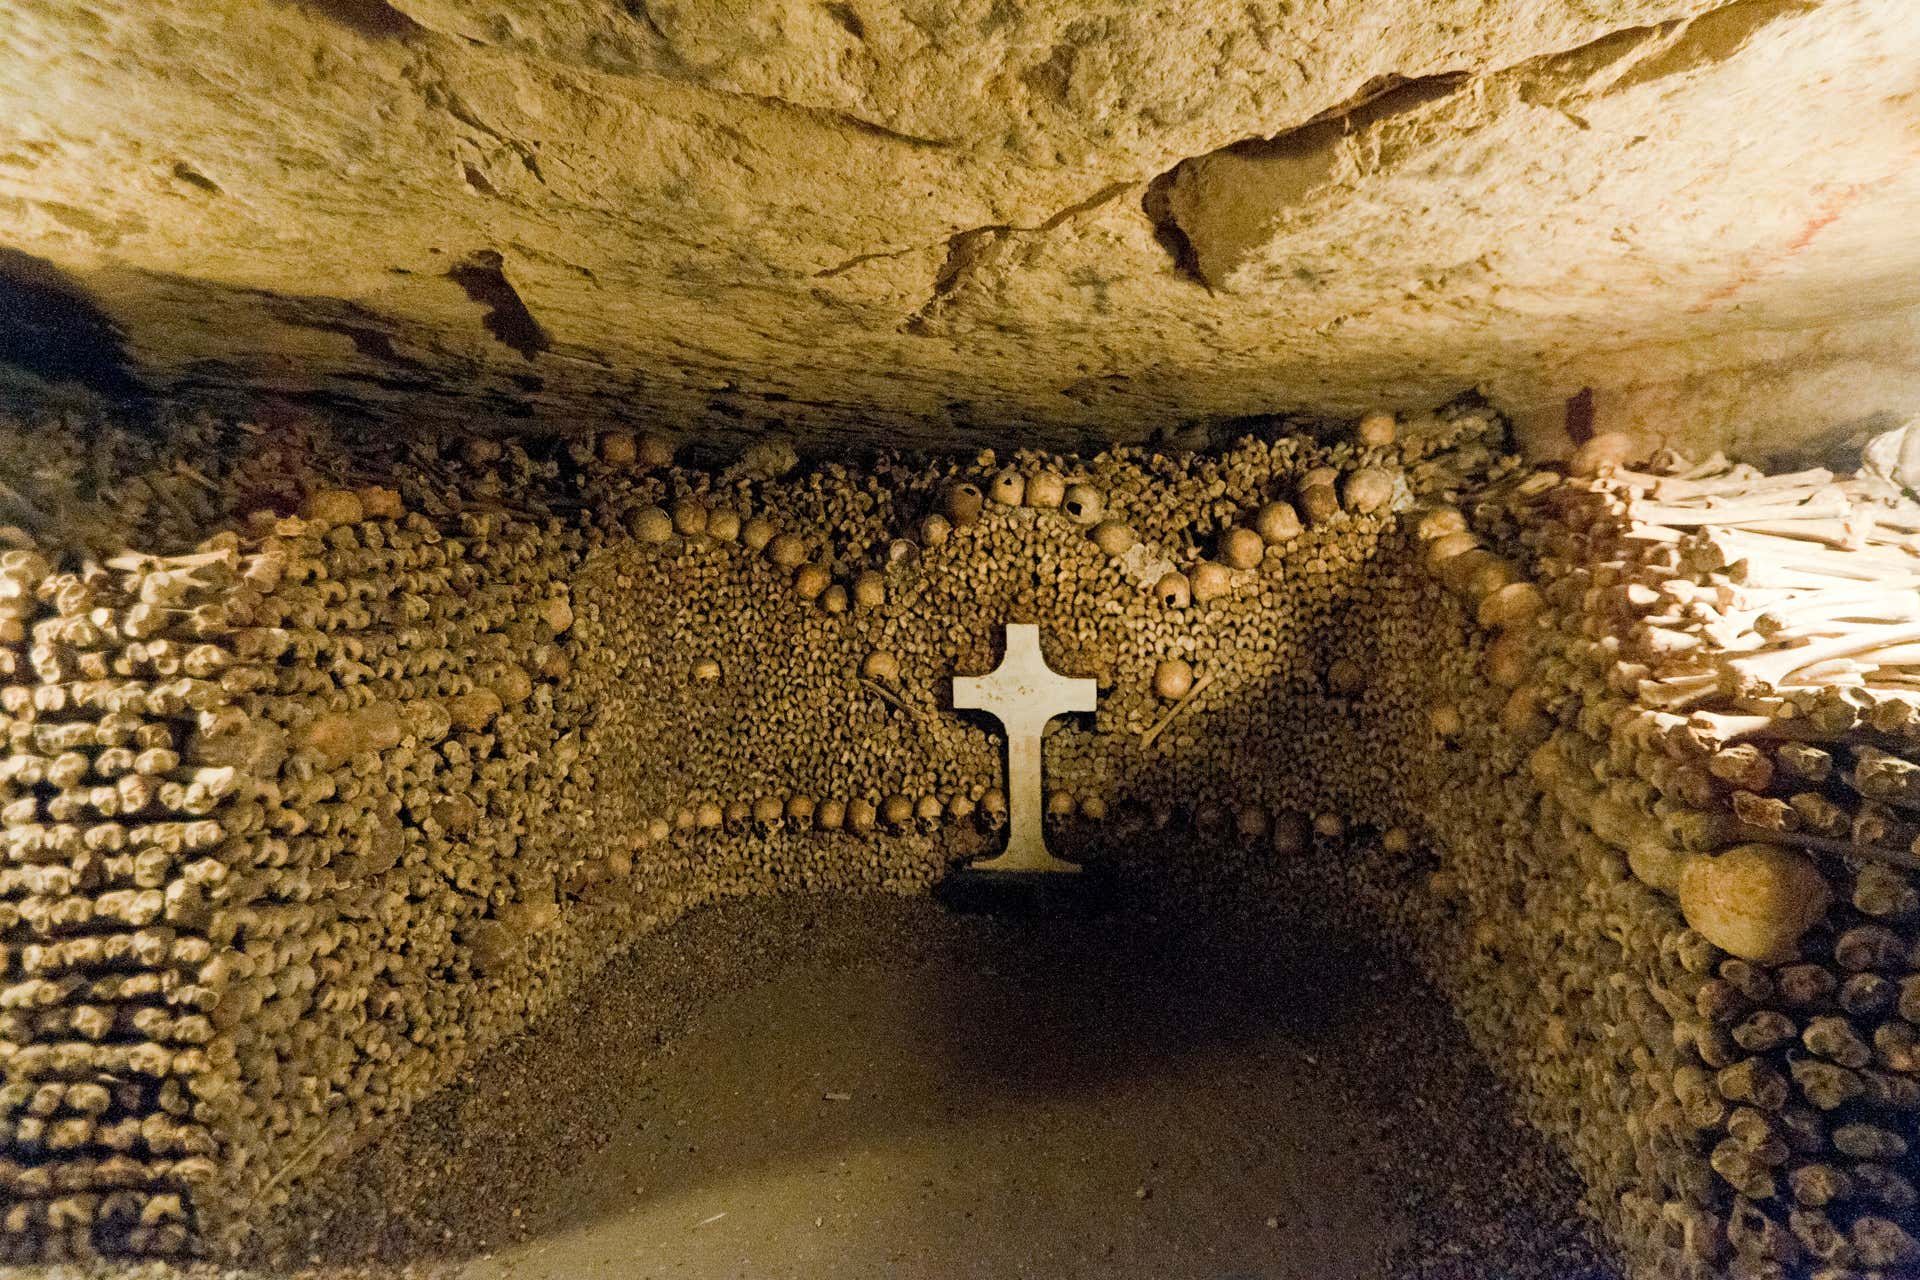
979	221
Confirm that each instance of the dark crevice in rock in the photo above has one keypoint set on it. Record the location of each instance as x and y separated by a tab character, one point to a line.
484	279
477	180
194	178
375	19
1376	100
640	10
848	20
534	253
965	247
1158	208
53	330
1386	97
835	118
371	333
993	229
841	268
1112	191
105	232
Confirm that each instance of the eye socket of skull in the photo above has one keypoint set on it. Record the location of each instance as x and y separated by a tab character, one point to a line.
1083	504
963	504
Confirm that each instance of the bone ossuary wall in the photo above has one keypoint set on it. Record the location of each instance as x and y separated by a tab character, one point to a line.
332	760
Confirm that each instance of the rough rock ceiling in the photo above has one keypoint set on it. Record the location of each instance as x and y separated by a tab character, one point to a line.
934	220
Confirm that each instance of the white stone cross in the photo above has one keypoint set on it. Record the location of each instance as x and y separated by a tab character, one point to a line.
1023	693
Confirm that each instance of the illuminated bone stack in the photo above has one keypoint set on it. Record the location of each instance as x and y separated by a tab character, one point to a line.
1718	710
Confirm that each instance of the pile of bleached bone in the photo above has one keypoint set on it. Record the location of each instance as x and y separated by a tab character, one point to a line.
1764	619
1730	665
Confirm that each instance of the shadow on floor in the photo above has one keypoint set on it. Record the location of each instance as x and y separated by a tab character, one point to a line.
875	1087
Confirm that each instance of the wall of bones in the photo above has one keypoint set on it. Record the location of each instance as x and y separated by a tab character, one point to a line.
330	761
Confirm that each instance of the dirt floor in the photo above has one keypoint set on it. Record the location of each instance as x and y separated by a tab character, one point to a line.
878	1088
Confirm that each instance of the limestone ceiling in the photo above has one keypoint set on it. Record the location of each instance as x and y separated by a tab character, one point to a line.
947	220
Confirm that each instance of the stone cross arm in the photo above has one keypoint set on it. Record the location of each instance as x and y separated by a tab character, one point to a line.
1023	693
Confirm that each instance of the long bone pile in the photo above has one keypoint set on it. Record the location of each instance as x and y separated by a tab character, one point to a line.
1722	666
1767	631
